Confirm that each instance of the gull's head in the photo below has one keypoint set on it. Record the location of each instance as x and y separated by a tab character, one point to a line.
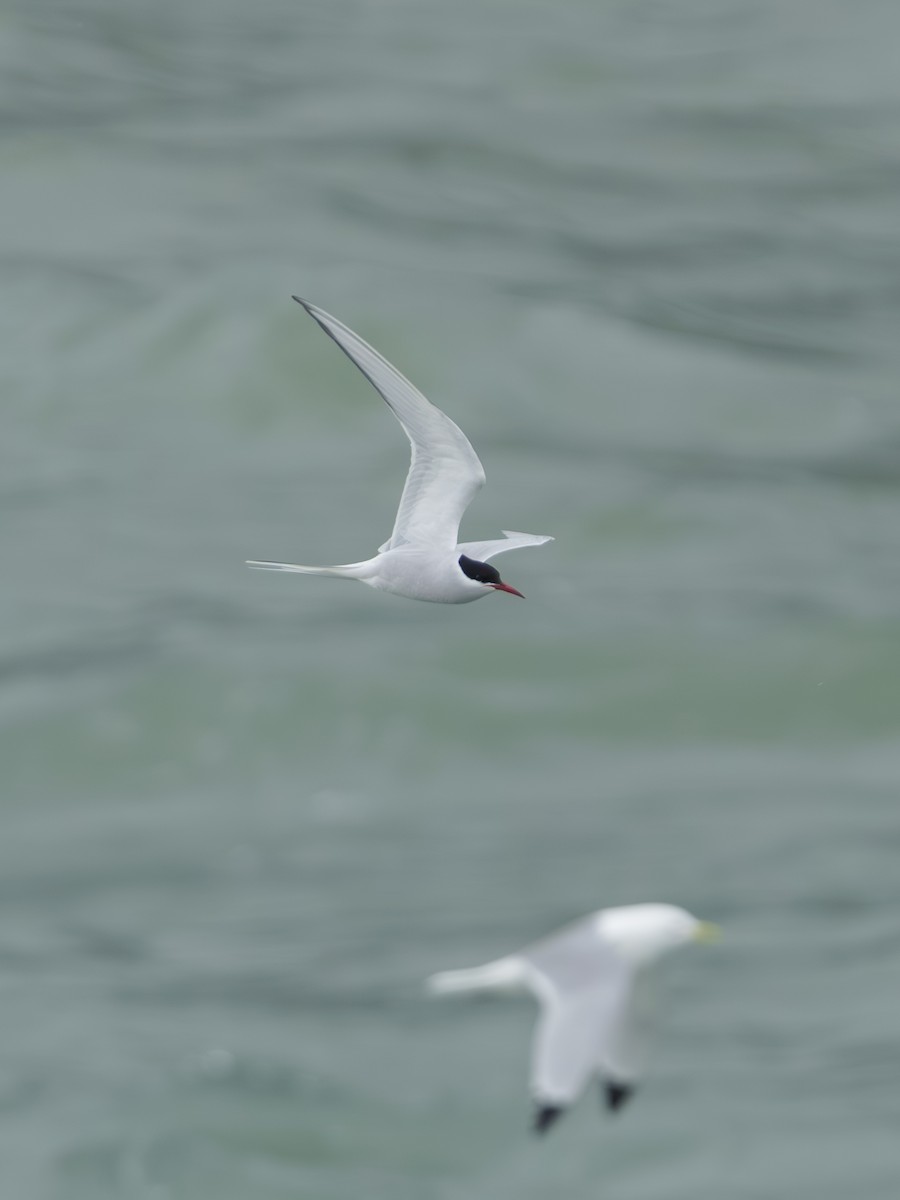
484	576
644	932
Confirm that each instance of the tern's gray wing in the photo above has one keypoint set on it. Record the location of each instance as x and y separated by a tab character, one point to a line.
582	984
445	472
485	551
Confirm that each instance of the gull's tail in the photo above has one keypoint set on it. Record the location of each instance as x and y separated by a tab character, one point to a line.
347	571
504	975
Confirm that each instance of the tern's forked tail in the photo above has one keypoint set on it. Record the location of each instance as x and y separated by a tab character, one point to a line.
348	571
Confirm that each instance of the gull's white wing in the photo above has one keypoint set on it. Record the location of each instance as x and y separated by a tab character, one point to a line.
564	1053
445	472
623	1054
485	551
582	985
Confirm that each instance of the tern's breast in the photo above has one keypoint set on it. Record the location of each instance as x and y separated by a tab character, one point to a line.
424	575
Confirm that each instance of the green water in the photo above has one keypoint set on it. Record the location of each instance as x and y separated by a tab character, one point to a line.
646	254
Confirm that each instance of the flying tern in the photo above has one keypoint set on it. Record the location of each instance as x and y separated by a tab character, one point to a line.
590	980
421	559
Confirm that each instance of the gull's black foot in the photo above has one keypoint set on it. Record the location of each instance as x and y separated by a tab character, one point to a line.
617	1094
545	1115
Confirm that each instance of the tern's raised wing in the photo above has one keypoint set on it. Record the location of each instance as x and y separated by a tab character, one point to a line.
582	984
485	551
445	472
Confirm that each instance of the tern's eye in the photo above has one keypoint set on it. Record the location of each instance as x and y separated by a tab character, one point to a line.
479	571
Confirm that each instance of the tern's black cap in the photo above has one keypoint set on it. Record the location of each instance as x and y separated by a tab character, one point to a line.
479	571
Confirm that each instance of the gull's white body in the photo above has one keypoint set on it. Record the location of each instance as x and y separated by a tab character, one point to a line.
589	980
420	560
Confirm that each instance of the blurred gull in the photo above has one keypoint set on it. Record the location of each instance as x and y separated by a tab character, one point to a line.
590	979
421	559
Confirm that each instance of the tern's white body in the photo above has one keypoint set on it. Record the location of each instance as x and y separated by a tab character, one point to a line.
421	559
589	980
419	573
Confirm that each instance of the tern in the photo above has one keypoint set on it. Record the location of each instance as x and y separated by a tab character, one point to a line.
590	980
421	559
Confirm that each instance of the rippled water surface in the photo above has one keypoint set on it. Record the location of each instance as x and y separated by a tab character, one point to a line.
647	255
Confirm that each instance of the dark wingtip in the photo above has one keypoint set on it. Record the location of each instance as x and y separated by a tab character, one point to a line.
546	1115
617	1094
303	303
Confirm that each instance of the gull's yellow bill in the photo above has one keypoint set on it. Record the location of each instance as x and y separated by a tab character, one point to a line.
708	932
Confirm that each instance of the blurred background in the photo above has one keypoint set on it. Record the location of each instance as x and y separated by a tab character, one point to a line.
646	254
